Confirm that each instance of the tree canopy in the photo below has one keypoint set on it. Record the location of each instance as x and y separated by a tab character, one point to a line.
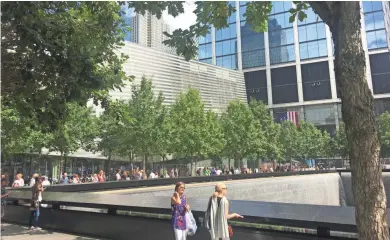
57	52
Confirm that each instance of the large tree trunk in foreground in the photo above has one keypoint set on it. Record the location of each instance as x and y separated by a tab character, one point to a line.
360	122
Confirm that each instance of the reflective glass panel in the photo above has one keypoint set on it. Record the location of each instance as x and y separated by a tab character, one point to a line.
254	58
205	51
282	54
207	60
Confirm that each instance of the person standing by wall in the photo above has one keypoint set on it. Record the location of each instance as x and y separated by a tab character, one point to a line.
217	214
37	190
4	195
179	208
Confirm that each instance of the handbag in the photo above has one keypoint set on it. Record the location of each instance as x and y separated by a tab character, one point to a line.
34	204
191	224
230	231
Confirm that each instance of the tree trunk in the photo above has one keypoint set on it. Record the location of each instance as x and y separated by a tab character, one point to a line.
229	164
144	163
360	123
108	166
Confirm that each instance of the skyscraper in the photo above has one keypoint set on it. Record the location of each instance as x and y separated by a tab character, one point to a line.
146	30
290	67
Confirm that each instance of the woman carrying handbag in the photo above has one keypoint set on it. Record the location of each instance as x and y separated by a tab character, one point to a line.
217	214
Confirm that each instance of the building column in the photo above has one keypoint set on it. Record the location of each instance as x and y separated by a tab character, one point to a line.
329	46
298	61
268	70
238	31
365	48
336	115
214	59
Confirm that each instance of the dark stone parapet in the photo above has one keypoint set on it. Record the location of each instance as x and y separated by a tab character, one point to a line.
112	185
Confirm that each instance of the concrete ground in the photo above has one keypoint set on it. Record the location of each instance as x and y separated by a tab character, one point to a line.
16	232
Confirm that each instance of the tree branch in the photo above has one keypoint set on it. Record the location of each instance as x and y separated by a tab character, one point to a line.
324	10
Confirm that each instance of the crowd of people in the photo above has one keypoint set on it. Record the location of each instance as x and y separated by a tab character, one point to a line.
139	174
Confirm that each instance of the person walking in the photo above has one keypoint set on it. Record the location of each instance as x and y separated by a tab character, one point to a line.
179	208
37	190
217	214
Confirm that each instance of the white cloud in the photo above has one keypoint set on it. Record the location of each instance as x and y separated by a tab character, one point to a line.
183	21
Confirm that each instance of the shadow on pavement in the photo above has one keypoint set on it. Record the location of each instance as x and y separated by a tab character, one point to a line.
10	231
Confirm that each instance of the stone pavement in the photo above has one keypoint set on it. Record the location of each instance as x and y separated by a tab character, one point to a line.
16	232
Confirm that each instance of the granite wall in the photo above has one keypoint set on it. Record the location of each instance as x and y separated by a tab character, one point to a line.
347	184
318	189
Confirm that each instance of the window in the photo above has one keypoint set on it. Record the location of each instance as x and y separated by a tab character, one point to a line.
380	72
252	47
207	60
229	61
312	39
316	81
205	39
256	85
205	51
280	6
226	33
281	35
284	85
282	54
205	48
375	26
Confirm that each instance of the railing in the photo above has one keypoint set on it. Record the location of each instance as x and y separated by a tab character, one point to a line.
96	215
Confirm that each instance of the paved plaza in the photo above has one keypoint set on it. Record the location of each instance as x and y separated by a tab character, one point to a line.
16	232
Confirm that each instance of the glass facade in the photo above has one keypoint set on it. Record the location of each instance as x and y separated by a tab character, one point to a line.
281	33
312	38
205	48
252	44
375	25
312	84
127	15
226	44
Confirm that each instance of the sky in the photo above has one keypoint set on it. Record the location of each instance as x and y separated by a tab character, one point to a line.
183	21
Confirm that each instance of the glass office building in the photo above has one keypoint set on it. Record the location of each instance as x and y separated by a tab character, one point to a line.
290	67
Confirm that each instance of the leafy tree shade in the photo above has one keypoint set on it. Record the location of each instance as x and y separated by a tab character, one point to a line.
77	130
146	110
58	52
341	143
20	134
311	141
242	132
344	21
271	130
289	139
114	137
194	135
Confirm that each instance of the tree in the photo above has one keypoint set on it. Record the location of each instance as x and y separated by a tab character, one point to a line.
242	132
311	141
77	130
384	133
58	52
344	21
20	135
289	139
194	134
114	137
271	130
146	112
163	136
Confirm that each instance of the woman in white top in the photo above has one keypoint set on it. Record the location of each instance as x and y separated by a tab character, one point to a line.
19	182
217	214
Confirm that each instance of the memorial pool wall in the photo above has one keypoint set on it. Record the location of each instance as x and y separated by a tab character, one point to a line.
316	189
